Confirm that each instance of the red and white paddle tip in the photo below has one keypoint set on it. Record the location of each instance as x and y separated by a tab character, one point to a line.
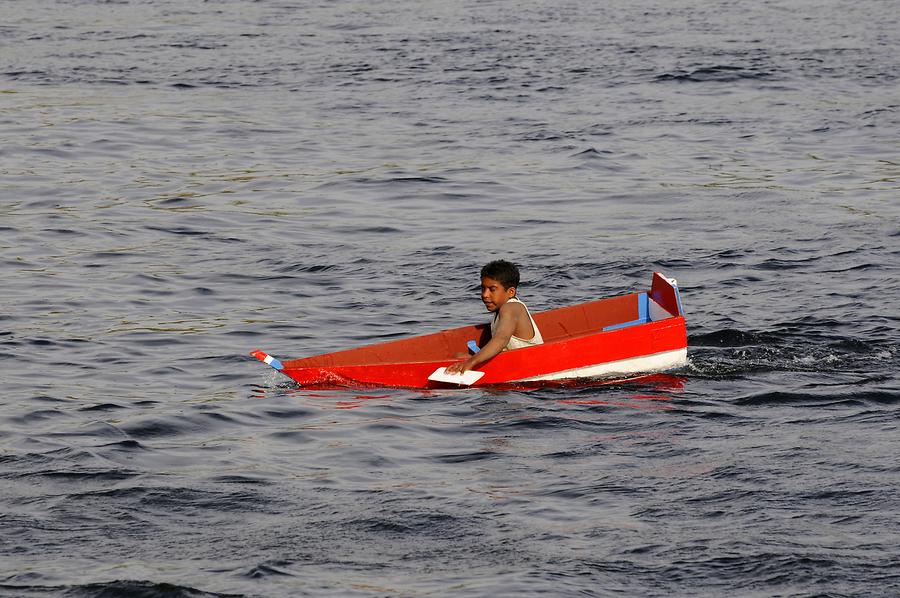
267	359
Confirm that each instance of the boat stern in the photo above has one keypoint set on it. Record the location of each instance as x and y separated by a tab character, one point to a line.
664	293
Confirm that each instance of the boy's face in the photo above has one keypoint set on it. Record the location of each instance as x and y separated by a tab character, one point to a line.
494	294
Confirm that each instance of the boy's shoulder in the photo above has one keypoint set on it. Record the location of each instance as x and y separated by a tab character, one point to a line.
513	308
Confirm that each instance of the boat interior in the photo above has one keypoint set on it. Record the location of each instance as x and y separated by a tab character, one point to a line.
603	315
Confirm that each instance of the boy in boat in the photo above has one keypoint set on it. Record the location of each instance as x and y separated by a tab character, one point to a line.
512	327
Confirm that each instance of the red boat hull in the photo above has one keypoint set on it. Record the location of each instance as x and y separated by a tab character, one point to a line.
619	336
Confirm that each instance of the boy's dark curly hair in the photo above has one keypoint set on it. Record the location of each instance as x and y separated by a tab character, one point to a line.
503	272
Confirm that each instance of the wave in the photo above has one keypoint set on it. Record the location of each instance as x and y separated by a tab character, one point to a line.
722	73
884	397
113	589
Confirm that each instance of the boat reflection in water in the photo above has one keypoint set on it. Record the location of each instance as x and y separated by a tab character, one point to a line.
653	391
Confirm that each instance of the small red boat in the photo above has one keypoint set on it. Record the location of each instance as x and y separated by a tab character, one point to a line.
617	337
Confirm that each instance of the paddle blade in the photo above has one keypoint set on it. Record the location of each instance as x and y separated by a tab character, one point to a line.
467	378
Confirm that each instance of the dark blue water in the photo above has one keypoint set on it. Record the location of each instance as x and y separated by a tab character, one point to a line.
181	183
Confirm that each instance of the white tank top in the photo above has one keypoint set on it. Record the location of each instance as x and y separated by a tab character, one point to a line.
514	341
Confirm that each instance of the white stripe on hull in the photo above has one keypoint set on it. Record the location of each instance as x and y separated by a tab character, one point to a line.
645	364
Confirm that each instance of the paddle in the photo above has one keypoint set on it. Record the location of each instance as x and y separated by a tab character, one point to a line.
467	378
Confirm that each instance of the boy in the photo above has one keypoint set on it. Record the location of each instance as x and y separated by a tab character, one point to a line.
512	327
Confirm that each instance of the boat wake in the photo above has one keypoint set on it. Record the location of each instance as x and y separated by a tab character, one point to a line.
729	353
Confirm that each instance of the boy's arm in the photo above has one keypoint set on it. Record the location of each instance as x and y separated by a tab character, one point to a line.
506	325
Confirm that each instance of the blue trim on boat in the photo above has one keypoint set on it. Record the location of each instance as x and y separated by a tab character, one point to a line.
678	299
643	307
643	315
623	325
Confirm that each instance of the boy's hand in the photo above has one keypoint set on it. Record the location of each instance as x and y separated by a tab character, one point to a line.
457	368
